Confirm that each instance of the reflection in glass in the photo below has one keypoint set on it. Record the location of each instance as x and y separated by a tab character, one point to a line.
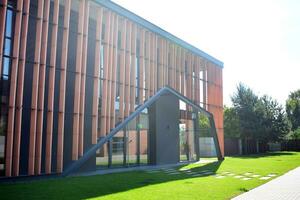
129	147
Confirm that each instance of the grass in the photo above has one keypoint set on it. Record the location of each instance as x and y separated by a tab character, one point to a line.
143	185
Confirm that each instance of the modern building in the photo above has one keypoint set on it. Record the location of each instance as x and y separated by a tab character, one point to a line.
87	84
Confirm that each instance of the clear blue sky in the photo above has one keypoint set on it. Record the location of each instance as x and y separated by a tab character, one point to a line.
258	41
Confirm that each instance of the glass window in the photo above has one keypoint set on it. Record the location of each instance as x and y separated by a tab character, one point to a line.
7	47
4	83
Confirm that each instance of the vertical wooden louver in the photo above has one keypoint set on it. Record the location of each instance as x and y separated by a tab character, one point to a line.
35	83
20	90
83	79
97	76
114	72
62	89
41	89
77	89
105	72
49	129
122	70
127	69
13	89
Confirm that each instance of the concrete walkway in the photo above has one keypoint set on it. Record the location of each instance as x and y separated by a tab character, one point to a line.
285	187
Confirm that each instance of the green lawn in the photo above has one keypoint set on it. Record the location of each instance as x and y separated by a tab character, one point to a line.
143	185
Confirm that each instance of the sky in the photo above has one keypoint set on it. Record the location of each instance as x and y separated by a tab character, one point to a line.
258	41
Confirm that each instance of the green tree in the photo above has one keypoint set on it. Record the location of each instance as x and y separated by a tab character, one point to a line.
273	119
244	103
231	123
260	118
295	135
293	109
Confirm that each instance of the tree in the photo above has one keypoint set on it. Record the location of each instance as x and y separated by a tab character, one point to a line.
293	109
274	122
231	123
244	102
295	135
260	118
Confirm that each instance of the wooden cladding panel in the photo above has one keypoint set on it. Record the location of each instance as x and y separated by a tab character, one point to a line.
141	66
147	64
83	79
122	70
79	52
133	69
96	78
35	82
127	69
20	91
13	88
214	101
41	89
105	74
51	82
114	72
62	88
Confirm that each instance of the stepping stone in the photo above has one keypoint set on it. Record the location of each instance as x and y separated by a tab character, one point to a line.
272	175
264	178
220	176
246	179
238	176
255	175
248	173
231	174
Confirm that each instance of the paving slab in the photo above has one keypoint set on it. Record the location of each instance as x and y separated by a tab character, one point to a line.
285	187
264	178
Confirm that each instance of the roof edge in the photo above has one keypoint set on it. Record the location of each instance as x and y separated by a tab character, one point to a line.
156	29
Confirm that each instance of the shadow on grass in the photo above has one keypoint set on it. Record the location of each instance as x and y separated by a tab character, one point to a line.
261	155
94	186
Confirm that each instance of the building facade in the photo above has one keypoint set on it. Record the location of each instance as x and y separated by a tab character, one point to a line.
72	70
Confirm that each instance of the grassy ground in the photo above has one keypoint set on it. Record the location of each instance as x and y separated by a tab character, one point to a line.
143	185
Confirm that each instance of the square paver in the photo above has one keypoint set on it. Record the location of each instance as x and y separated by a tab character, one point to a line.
238	176
264	178
272	175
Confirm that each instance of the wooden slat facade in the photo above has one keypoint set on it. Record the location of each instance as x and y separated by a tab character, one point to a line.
109	60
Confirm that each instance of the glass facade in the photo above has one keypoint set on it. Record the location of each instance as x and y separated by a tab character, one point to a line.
196	137
128	147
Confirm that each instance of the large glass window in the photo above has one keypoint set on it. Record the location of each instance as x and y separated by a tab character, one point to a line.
129	147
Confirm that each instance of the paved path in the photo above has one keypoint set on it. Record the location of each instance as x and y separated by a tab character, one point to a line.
285	187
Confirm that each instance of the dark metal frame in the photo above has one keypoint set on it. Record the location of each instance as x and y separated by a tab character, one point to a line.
165	90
